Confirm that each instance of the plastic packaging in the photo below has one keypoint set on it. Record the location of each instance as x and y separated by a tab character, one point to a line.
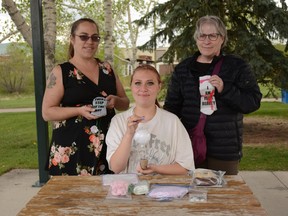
141	188
109	178
207	177
197	195
167	192
119	190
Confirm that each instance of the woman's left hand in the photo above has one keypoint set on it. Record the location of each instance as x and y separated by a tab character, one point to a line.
217	82
150	169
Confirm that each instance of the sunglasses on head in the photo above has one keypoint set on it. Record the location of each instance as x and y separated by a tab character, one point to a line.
94	38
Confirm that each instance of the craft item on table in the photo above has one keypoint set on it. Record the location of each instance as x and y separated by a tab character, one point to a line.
119	190
207	177
142	137
197	195
140	188
167	192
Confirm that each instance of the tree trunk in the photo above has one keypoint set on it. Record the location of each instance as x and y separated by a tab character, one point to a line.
49	20
18	19
108	39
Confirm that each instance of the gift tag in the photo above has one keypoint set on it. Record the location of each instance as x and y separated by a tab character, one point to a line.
207	91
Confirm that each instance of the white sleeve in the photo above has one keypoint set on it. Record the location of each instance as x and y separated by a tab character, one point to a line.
184	151
114	136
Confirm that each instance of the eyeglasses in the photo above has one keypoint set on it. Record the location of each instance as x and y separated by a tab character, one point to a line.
211	37
94	38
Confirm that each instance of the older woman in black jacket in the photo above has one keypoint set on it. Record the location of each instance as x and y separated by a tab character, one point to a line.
235	92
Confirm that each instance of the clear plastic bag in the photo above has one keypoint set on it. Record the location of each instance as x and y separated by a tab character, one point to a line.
119	185
207	177
197	195
140	188
167	192
119	190
109	178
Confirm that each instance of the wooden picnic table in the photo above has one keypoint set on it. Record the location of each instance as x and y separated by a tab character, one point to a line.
85	195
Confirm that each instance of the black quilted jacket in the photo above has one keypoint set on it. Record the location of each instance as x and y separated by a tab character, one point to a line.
224	128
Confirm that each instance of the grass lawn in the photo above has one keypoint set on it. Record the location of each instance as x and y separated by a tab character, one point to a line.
18	146
17	101
265	158
272	109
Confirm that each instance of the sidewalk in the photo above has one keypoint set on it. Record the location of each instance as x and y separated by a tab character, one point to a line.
271	189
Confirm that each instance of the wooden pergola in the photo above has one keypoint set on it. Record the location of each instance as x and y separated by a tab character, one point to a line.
39	80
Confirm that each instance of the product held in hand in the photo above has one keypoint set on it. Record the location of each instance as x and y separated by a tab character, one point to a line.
142	137
144	163
99	105
207	91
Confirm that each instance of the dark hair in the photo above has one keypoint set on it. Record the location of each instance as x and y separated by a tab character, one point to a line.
74	27
150	68
214	20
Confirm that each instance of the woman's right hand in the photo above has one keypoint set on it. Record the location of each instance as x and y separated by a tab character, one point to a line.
86	110
132	123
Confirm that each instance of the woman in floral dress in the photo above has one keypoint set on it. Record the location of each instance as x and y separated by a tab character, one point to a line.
78	139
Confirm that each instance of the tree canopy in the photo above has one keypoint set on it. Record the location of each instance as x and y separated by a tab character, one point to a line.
58	16
252	27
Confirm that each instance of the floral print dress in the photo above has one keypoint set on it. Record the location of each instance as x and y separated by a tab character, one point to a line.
78	145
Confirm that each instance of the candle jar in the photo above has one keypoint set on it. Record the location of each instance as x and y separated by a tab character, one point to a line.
143	156
142	137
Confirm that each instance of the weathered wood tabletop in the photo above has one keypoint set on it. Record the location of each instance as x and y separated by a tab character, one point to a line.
85	195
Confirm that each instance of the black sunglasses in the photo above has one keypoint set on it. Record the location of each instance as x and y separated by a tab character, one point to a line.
94	38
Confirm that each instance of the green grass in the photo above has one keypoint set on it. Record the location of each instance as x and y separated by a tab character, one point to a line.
272	109
16	101
18	138
264	158
28	100
18	146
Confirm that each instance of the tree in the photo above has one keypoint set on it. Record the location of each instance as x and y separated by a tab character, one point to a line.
16	72
109	45
126	25
21	19
251	24
58	15
116	16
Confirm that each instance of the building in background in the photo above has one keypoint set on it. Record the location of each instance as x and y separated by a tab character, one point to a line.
142	57
145	57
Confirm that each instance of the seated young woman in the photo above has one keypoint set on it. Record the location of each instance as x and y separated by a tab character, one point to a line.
168	150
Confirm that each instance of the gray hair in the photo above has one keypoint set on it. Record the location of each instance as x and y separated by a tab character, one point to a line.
213	20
